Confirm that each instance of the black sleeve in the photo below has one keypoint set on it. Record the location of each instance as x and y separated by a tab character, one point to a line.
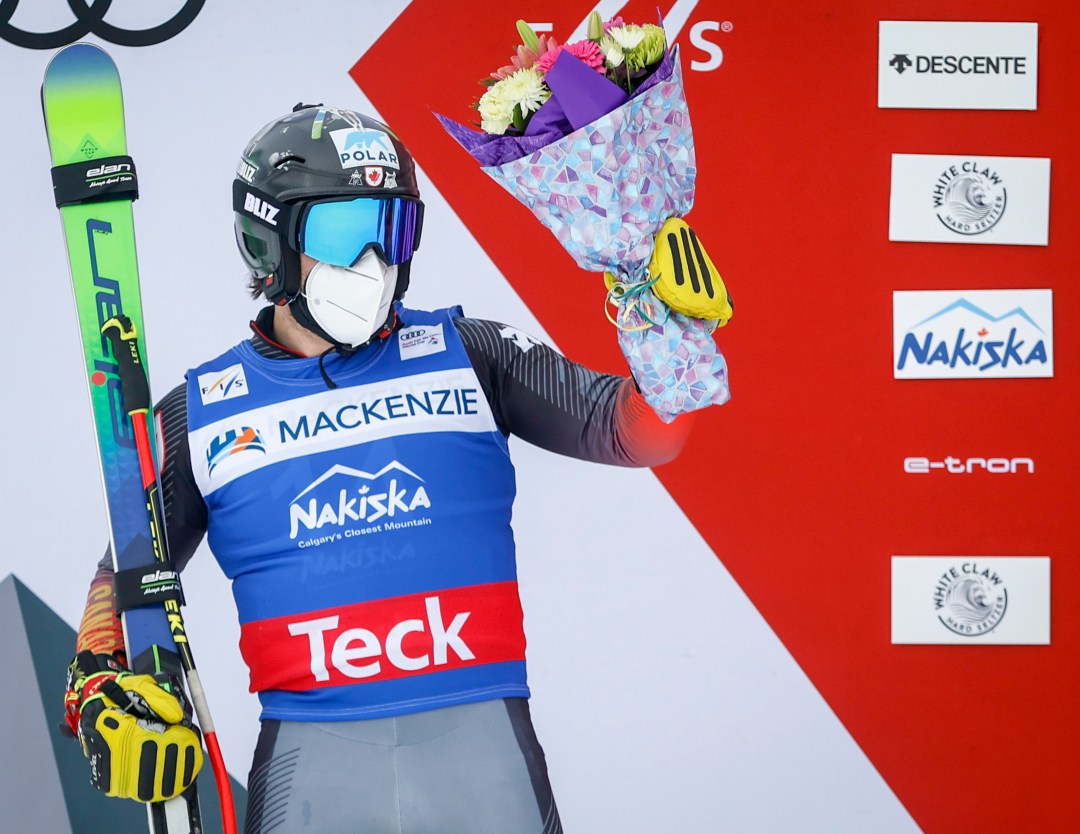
185	510
542	397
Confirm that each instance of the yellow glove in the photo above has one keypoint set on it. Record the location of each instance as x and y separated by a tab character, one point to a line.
137	736
686	279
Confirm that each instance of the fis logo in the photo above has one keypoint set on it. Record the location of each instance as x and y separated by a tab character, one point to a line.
233	442
223	385
344	502
359	146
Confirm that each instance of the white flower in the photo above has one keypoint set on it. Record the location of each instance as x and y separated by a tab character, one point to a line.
495	115
628	36
524	89
613	53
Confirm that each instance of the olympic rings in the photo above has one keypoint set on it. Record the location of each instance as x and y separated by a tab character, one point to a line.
90	21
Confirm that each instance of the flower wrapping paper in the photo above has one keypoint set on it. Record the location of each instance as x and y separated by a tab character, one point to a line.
604	191
676	364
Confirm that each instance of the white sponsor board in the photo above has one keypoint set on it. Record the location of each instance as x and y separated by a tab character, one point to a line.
971	600
973	334
968	198
958	65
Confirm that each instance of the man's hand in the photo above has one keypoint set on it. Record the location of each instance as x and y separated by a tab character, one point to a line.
137	735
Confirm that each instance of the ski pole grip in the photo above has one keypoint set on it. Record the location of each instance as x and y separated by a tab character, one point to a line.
121	333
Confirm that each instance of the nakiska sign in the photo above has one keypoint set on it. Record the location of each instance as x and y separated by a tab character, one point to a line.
958	66
968	198
952	334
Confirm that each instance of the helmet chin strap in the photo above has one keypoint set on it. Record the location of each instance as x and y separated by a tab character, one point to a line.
298	306
302	313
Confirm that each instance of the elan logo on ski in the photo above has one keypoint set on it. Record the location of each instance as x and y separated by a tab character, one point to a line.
217	386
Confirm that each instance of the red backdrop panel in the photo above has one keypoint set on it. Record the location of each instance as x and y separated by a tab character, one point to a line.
797	483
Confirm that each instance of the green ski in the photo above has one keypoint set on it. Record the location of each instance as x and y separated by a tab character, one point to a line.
95	183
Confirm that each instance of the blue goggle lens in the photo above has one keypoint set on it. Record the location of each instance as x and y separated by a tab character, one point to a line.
338	232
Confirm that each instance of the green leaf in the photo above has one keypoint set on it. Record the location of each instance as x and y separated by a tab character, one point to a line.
518	118
528	36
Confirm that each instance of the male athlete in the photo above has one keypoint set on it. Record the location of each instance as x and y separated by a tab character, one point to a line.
349	466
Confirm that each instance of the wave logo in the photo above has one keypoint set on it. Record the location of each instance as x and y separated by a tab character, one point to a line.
233	442
969	198
358	146
970	600
345	502
975	334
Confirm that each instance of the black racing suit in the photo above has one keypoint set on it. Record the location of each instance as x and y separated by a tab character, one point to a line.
463	769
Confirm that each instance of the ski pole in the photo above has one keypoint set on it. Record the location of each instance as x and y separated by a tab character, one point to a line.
123	337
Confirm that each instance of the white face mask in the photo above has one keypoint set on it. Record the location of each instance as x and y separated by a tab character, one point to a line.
351	303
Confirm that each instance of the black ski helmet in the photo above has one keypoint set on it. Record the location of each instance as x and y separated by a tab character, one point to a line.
313	153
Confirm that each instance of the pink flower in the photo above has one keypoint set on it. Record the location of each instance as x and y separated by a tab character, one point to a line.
525	57
586	51
615	21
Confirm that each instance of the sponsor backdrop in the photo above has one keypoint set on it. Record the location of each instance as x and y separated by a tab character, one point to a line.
850	591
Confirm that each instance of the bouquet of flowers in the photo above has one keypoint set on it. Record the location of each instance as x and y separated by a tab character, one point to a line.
594	138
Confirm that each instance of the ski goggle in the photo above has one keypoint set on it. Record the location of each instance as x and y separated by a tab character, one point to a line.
338	232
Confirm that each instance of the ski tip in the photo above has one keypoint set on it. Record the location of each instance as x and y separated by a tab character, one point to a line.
80	59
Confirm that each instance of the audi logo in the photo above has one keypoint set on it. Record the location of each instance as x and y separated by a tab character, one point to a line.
89	20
